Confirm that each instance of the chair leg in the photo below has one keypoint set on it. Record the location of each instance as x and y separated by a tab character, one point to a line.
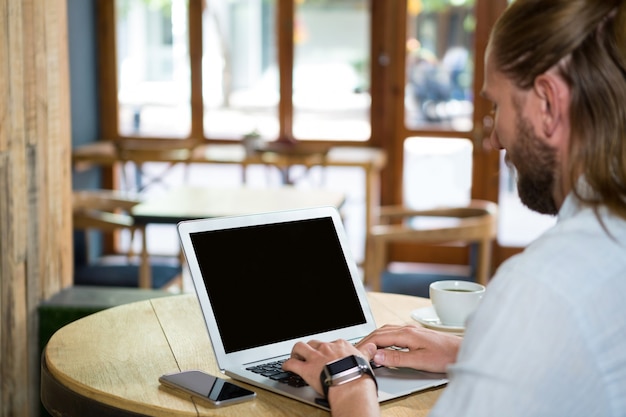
483	262
374	262
145	274
131	251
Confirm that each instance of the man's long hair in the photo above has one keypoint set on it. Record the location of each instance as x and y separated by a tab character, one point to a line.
586	39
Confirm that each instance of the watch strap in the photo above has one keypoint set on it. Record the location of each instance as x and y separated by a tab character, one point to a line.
364	367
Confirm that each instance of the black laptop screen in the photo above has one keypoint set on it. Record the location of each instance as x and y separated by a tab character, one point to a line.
276	282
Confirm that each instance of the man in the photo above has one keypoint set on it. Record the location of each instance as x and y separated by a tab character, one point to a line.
549	338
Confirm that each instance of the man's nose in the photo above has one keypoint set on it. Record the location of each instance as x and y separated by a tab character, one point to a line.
495	141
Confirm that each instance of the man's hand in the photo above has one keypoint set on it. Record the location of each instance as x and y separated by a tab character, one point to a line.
413	347
308	359
355	398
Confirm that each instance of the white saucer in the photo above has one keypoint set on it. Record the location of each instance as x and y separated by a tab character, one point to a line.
427	317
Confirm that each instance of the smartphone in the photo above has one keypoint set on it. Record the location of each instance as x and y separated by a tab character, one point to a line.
207	387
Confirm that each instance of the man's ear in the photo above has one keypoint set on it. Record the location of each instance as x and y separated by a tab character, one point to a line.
549	89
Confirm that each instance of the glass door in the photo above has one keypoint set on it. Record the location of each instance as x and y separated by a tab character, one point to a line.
440	52
442	65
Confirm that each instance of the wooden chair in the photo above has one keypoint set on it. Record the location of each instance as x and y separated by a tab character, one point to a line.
140	151
474	224
107	211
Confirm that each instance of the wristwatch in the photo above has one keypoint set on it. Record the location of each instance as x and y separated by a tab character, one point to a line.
345	370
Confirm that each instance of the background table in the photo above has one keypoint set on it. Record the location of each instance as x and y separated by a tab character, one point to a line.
191	202
108	364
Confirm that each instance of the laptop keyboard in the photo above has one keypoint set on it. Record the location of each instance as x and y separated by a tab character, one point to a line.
274	370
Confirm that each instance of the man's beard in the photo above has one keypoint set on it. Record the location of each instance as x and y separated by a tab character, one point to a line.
535	163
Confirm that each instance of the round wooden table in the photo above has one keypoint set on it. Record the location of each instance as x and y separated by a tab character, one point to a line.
108	363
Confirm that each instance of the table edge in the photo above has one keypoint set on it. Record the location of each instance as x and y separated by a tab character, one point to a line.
57	399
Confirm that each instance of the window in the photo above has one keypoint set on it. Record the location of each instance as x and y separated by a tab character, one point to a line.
240	91
439	65
242	72
153	68
331	70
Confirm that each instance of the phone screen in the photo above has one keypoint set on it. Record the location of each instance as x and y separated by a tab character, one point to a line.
208	387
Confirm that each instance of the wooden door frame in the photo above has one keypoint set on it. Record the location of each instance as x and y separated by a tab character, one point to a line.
486	161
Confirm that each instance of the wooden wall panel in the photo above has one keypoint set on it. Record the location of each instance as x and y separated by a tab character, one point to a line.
35	187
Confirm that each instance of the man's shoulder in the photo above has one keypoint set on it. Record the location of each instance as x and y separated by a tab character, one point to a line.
581	241
568	261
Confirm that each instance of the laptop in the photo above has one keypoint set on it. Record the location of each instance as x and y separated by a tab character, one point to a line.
266	281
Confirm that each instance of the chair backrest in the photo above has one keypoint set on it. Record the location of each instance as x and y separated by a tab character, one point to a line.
108	210
98	210
474	223
150	150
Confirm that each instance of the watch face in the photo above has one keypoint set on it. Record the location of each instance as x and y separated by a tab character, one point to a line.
341	365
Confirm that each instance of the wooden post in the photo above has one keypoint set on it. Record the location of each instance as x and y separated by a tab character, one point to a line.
35	187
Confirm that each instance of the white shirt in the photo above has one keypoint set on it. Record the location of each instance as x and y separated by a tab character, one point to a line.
549	338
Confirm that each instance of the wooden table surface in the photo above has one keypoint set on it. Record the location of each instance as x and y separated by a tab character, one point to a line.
108	363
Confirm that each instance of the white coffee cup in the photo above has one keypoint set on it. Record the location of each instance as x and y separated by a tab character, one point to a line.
454	300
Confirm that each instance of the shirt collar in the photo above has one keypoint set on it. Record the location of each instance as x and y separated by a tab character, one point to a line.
570	207
572	204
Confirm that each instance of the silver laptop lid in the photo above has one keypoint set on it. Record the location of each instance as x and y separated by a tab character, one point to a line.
265	281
